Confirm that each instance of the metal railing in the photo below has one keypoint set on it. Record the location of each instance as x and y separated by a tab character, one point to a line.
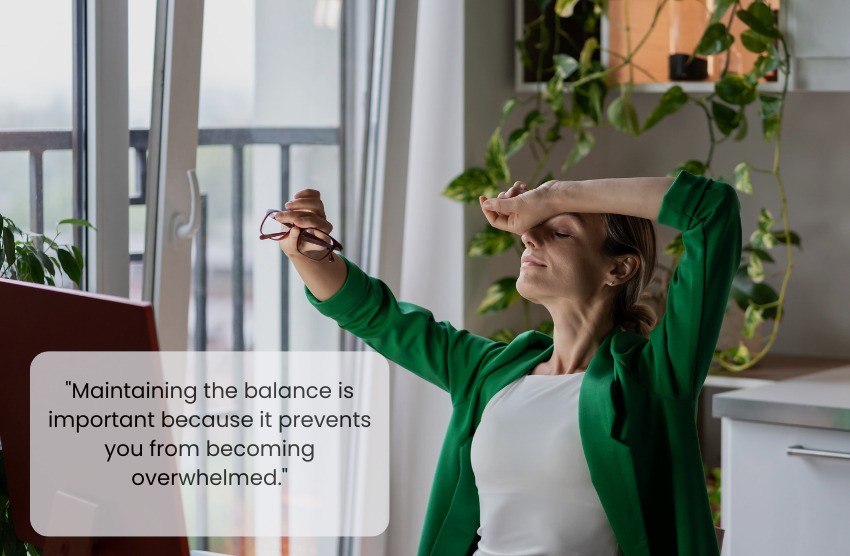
37	142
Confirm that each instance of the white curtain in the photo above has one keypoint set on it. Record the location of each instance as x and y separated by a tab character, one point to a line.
413	237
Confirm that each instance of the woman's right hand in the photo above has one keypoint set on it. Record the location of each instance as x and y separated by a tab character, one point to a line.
304	210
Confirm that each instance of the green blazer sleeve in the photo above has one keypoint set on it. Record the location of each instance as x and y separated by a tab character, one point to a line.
676	359
406	333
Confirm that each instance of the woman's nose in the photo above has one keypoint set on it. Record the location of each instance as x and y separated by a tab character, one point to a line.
528	238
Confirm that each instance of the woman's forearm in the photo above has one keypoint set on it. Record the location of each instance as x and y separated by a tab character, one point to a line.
631	196
322	278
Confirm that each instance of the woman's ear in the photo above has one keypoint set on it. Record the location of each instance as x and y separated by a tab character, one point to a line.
625	267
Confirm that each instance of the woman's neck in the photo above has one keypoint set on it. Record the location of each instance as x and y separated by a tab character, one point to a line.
577	336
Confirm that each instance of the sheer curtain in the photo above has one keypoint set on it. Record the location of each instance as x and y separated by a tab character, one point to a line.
412	236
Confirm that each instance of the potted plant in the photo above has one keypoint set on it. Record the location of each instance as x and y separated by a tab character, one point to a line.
32	257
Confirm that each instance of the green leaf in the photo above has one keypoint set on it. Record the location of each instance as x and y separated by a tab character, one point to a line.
490	241
69	265
714	40
622	115
765	64
45	262
77	222
585	58
508	107
744	290
695	167
9	246
495	160
516	141
742	178
564	8
755	270
676	247
533	119
589	98
763	255
742	129
780	236
583	146
770	108
766	220
565	65
671	102
78	255
752	318
505	335
470	185
726	118
36	270
734	89
720	7
754	42
762	240
50	243
523	53
499	296
759	18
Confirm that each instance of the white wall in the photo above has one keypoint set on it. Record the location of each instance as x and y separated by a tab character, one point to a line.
815	166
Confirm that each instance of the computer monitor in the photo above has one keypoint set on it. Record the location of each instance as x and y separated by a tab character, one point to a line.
35	319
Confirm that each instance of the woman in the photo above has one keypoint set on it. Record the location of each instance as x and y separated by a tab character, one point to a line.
588	443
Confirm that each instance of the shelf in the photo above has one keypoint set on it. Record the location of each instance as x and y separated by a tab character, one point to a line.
687	86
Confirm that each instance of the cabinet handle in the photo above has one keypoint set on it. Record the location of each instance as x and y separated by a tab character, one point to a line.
801	451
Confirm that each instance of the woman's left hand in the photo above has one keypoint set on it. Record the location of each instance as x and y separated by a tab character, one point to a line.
519	209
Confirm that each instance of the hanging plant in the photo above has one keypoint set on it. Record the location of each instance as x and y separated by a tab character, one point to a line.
575	101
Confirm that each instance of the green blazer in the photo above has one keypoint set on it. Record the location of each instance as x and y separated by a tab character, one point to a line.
637	403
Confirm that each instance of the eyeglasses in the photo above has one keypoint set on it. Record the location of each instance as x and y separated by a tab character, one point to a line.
312	243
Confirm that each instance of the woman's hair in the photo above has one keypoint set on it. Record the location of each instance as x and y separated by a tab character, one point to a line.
631	235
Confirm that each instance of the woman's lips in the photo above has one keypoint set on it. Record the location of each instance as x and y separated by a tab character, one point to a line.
530	261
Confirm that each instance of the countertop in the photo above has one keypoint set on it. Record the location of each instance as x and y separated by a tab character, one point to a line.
820	400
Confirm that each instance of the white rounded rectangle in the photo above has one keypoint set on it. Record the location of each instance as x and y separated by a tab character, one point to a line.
210	443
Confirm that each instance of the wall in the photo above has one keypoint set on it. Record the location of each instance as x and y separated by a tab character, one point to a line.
814	163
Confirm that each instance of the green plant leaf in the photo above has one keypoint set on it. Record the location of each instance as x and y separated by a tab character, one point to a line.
500	295
523	53
507	108
766	220
754	42
589	98
490	241
77	222
779	236
564	8
505	335
565	65
755	270
533	119
69	265
585	58
752	318
720	7
714	40
9	245
742	129
470	185
763	255
726	118
745	290
583	146
45	262
695	167
759	18
671	102
622	115
676	247
495	161
734	89
765	64
78	255
36	270
770	108
742	178
516	141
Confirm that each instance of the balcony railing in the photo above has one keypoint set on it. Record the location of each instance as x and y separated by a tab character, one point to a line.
37	142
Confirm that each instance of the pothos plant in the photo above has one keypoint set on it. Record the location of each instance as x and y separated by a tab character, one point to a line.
31	257
568	107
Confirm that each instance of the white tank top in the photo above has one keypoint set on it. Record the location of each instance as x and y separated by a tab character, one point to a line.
534	485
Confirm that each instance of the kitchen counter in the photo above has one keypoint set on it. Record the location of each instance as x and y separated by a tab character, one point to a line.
819	400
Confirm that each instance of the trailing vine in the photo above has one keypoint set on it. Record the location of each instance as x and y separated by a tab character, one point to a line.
572	103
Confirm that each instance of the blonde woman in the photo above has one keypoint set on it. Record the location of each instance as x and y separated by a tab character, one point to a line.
583	442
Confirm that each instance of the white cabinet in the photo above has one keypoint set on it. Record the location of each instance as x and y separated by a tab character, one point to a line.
785	460
820	45
775	503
